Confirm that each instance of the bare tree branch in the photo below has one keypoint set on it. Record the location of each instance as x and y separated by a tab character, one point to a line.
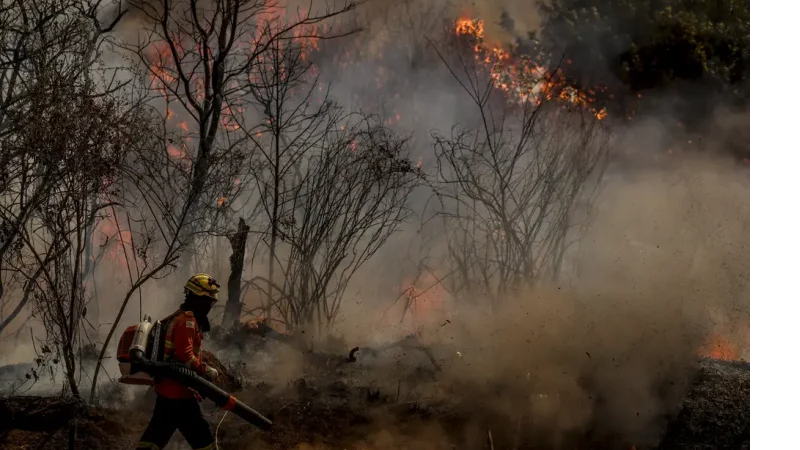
508	185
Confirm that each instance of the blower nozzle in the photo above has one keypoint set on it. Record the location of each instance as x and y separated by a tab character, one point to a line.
192	380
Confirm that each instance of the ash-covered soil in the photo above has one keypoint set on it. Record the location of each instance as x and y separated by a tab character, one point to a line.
716	412
330	413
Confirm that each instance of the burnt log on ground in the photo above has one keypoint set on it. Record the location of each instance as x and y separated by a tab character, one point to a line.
410	342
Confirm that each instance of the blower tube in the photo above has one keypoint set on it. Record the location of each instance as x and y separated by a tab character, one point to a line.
191	379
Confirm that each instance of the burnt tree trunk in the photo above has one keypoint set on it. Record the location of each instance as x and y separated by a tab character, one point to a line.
233	308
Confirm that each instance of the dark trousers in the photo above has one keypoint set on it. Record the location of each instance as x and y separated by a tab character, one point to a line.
183	415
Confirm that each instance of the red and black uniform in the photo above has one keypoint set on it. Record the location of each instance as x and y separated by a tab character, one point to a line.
177	407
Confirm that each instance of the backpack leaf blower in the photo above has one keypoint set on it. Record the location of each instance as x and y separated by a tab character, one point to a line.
140	354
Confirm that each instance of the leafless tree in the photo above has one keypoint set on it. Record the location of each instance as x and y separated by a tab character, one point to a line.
296	116
511	184
332	187
201	53
41	42
154	213
352	197
78	141
295	119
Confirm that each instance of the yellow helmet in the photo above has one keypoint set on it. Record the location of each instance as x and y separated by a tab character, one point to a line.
202	285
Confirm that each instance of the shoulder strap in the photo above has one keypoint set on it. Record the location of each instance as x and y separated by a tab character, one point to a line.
167	326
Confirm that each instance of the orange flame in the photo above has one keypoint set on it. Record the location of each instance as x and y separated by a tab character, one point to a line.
113	241
519	78
159	67
176	152
720	348
732	343
423	303
306	35
229	120
469	26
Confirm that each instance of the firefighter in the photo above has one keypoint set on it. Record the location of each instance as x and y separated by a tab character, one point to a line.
178	407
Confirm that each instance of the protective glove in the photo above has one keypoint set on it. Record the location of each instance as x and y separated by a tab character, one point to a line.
211	373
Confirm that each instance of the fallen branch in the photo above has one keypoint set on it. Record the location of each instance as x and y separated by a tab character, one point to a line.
409	342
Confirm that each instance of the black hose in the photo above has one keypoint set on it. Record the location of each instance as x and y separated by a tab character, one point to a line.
207	389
